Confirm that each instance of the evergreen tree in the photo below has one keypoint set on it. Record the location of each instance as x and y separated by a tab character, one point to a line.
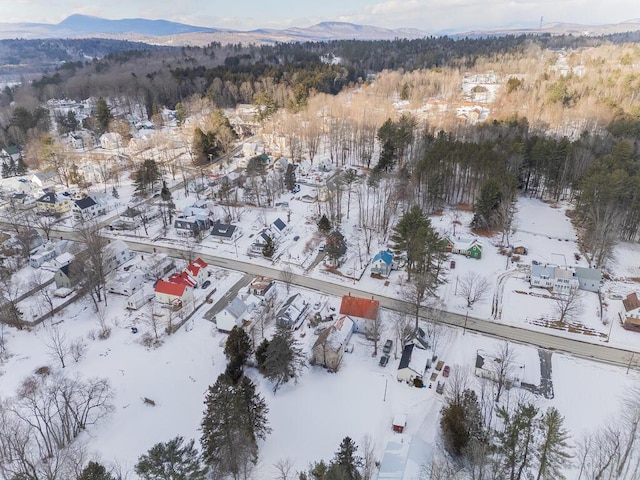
461	421
346	463
290	177
415	237
21	167
115	193
324	225
235	418
335	246
146	176
95	471
102	116
6	171
165	193
516	440
237	350
269	247
553	451
181	114
284	359
261	354
171	461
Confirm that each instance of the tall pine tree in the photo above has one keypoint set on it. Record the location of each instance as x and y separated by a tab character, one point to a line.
173	460
235	418
284	359
553	452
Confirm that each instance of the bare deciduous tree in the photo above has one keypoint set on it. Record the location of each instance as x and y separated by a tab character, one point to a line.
284	469
473	288
368	456
568	306
503	367
57	344
403	328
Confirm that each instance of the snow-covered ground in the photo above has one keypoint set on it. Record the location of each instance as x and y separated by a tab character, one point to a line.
310	418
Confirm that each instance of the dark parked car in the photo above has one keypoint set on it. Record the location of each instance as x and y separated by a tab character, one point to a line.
206	284
387	346
445	371
384	360
296	238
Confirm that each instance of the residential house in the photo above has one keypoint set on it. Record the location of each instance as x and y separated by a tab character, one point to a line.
58	262
260	242
43	179
382	263
487	366
278	227
292	311
413	364
262	287
131	218
404	458
155	265
116	253
232	315
10	153
52	203
364	312
111	141
138	299
330	345
469	248
589	278
225	232
200	207
630	315
39	258
21	200
170	293
182	278
192	226
68	276
127	283
197	270
563	280
86	208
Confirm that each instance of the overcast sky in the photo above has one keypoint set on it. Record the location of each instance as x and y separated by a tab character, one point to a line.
428	15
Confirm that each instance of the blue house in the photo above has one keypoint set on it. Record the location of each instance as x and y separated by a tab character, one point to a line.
382	263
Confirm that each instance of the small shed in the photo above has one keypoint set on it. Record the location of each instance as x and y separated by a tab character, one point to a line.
399	422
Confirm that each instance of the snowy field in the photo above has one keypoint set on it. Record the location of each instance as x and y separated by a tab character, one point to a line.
310	418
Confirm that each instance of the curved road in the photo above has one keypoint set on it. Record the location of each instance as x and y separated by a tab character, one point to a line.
604	353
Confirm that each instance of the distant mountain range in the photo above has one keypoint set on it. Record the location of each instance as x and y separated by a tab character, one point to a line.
164	32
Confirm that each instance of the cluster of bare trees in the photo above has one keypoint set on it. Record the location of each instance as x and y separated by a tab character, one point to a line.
39	426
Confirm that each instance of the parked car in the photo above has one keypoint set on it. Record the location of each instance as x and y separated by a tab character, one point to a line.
321	248
440	387
295	189
387	346
445	371
384	360
296	238
206	284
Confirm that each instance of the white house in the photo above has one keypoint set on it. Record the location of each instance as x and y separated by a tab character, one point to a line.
413	364
126	283
192	226
86	209
138	299
198	271
111	141
363	311
171	293
225	232
563	280
487	366
382	263
116	253
131	218
232	315
262	287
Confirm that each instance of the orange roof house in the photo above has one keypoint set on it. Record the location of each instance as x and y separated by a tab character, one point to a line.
168	292
363	311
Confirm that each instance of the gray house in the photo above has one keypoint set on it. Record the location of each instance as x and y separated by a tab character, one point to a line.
292	312
589	278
